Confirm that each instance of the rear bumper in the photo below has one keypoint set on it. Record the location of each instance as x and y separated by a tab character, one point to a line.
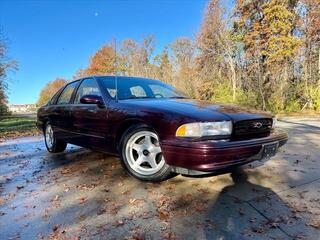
209	156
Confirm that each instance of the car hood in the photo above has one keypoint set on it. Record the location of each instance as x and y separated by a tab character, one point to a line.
197	110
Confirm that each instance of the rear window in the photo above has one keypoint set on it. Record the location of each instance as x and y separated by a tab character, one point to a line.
55	96
66	94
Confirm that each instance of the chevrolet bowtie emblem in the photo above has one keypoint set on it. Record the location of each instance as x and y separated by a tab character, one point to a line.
257	125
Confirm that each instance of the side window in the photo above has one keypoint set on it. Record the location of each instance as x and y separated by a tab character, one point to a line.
109	86
53	99
87	87
112	92
65	96
159	90
138	91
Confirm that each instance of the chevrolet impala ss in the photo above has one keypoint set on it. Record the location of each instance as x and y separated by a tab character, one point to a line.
155	130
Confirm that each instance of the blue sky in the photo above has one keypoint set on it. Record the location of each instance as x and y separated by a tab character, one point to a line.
51	39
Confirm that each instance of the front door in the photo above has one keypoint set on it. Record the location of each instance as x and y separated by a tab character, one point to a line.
89	120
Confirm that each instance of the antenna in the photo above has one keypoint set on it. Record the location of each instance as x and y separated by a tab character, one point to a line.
116	68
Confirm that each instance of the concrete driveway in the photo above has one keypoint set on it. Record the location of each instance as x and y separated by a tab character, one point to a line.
87	195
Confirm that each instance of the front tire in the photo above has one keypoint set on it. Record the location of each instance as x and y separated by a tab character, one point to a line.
53	144
141	154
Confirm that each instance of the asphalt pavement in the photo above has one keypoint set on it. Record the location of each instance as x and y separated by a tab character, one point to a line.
85	194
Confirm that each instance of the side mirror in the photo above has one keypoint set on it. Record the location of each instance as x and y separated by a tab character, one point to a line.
92	99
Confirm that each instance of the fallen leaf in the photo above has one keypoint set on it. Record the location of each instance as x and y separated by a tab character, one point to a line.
101	211
163	215
55	228
83	200
241	212
169	236
314	223
119	223
65	171
199	208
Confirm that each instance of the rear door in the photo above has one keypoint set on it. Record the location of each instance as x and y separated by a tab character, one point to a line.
89	120
61	113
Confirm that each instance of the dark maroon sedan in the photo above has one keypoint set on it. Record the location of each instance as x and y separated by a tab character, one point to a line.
156	130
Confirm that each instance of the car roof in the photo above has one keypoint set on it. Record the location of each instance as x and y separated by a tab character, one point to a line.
125	77
111	76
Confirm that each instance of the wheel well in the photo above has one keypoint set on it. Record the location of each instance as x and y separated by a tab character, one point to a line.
44	122
124	127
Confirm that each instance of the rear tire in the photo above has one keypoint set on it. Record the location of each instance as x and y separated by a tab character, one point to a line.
53	144
141	154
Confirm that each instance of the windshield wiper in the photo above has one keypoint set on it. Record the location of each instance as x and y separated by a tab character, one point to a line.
179	97
146	97
136	97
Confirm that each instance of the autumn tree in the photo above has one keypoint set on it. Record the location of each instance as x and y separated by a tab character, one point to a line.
128	56
248	27
49	90
6	65
103	62
81	73
217	49
282	47
311	30
183	55
164	67
310	54
136	58
145	56
267	28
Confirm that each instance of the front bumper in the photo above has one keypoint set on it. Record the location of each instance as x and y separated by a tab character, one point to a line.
214	155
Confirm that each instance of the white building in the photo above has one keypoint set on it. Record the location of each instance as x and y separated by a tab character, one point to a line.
22	108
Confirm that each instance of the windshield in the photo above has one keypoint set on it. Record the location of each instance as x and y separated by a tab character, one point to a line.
137	88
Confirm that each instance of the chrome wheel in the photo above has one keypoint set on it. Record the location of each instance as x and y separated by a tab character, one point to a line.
143	153
49	136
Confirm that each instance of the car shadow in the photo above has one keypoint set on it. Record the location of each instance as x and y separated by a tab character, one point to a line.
244	210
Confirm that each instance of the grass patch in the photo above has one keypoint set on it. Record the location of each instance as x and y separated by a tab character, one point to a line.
14	126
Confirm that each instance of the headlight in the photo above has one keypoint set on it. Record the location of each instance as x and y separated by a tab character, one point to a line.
274	122
204	129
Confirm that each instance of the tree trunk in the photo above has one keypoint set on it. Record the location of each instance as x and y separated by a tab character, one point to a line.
233	73
234	81
264	107
319	69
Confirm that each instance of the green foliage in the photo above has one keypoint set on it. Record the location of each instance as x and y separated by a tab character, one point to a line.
6	65
247	98
274	104
315	97
16	123
222	93
3	109
293	106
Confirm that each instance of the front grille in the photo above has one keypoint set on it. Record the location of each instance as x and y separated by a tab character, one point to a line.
252	128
